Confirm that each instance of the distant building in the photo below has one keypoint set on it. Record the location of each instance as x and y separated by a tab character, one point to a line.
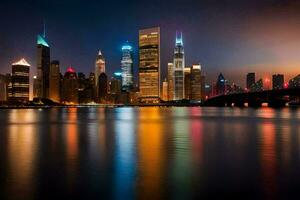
149	64
103	87
99	68
258	86
116	84
54	81
170	81
3	88
19	84
43	68
221	85
187	82
203	85
250	80
278	81
70	87
178	68
165	90
195	94
295	82
127	67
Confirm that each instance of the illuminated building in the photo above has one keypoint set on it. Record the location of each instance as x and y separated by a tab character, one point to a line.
54	81
195	83
170	81
187	82
250	80
102	87
19	84
127	68
115	83
149	64
43	67
278	81
3	88
257	87
295	82
165	90
220	85
70	87
99	66
178	63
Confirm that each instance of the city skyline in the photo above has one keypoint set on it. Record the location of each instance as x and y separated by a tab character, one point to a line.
237	49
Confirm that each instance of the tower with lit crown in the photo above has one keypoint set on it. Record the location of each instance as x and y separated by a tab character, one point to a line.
178	65
43	67
99	66
127	67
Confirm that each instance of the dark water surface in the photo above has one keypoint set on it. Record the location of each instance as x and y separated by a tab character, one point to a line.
150	153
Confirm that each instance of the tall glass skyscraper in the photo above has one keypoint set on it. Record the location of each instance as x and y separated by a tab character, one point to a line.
178	64
127	67
149	64
43	67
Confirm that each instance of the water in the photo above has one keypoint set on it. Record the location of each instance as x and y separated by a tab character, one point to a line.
149	153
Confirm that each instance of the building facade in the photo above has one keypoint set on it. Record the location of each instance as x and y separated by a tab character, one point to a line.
179	64
19	83
250	80
70	87
43	68
221	85
3	88
103	88
99	67
170	81
187	82
165	90
127	68
54	81
149	64
278	81
196	93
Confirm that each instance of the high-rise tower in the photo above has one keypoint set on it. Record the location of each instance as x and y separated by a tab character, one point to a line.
127	67
99	66
149	64
178	64
43	67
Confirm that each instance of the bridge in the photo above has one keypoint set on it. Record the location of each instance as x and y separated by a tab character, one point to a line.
274	98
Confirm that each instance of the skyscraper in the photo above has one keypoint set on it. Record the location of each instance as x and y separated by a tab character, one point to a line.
103	87
170	81
99	66
3	88
250	80
19	84
149	64
278	81
43	67
178	68
221	85
187	82
127	67
70	87
54	81
196	83
165	90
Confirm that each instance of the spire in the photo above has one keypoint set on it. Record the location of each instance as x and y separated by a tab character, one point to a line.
100	53
179	40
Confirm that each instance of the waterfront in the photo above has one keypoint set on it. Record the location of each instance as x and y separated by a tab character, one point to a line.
149	153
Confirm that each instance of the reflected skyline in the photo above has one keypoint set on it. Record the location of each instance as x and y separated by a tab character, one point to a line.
149	152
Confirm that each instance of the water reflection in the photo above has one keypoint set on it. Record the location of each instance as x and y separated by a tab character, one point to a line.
22	145
149	151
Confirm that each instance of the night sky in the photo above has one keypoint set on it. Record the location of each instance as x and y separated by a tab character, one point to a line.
229	36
